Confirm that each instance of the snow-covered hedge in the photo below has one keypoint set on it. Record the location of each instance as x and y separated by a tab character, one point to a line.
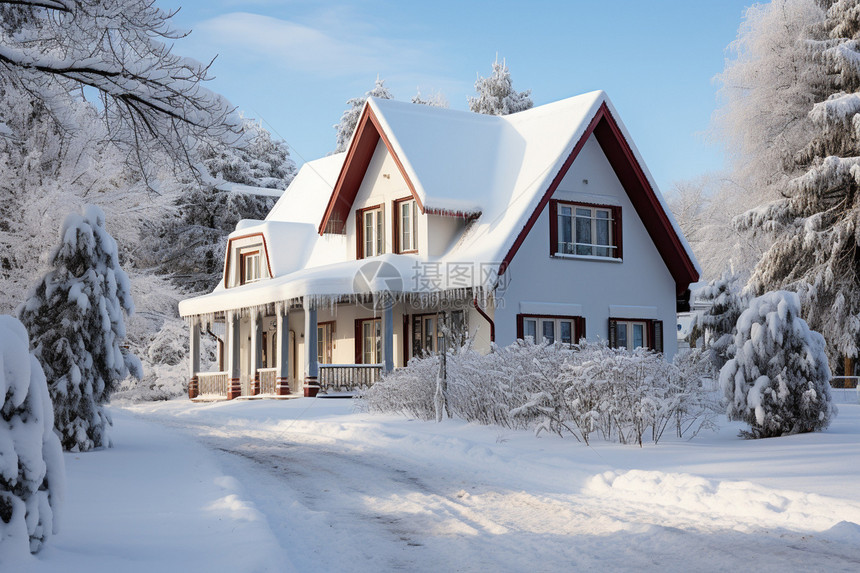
778	379
584	391
31	462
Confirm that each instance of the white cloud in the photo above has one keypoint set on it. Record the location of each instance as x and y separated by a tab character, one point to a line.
298	47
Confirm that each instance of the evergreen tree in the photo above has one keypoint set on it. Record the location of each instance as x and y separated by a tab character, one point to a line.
435	100
718	322
496	94
76	325
255	159
31	461
814	227
349	119
778	379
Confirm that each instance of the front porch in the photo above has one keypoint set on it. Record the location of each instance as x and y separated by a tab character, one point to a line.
283	349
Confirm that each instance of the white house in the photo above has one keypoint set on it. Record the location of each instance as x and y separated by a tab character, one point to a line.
544	224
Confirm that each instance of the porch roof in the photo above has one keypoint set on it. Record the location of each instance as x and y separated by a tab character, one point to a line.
396	274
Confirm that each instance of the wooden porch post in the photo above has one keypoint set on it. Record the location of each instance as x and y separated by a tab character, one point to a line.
387	334
283	350
234	341
311	365
254	357
194	359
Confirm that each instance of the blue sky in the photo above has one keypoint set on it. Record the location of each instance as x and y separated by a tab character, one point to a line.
294	63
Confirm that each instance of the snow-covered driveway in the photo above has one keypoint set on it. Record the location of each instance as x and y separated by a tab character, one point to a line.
345	491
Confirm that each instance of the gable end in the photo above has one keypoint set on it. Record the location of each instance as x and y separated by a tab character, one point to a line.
638	189
368	132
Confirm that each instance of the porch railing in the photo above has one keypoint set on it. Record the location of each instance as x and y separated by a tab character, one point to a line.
212	383
267	379
339	377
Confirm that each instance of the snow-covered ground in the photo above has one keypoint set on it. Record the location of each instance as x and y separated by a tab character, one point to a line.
312	485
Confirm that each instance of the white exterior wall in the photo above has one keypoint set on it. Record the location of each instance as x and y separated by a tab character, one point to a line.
442	233
641	280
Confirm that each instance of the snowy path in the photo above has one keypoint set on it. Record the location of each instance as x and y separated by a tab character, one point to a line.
346	492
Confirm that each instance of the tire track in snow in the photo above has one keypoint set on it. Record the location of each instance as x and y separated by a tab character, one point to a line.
340	506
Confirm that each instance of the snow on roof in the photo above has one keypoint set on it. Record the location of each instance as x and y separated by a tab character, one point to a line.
497	167
248	190
305	199
288	244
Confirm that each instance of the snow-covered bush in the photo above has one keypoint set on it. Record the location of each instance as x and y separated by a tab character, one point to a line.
583	390
75	320
31	461
778	379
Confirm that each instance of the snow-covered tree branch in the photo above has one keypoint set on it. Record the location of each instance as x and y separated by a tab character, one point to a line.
151	97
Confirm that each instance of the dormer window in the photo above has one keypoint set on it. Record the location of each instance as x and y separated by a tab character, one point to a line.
371	231
249	267
406	219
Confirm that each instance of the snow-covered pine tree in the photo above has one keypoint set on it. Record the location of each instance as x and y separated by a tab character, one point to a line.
813	227
778	378
435	100
32	473
496	94
256	159
76	325
349	119
717	324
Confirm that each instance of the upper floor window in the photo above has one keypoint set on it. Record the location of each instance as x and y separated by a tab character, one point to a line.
584	229
371	231
249	267
406	220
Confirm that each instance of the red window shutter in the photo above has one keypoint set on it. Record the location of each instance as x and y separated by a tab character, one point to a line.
519	327
579	325
616	232
613	324
657	335
359	342
553	228
359	237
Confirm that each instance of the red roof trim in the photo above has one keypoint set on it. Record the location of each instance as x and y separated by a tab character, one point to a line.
368	132
639	190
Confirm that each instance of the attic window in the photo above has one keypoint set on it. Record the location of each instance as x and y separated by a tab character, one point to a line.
581	229
249	267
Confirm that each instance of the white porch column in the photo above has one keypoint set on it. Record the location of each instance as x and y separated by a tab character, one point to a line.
283	350
234	341
253	357
387	335
311	364
194	359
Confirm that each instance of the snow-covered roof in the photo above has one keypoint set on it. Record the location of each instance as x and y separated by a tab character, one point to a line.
499	170
248	190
